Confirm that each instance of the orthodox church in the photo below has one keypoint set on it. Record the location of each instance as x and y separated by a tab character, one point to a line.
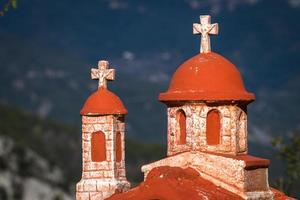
207	136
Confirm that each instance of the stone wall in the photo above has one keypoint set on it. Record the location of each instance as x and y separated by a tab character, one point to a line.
119	127
230	173
233	130
102	179
91	125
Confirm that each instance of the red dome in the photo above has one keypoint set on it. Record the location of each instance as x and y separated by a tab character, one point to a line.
207	77
103	102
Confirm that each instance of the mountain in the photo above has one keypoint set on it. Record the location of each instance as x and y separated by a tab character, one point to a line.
27	176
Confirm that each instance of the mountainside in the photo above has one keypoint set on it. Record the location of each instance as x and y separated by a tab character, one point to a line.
25	175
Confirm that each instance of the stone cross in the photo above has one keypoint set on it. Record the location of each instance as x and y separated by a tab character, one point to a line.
205	28
103	73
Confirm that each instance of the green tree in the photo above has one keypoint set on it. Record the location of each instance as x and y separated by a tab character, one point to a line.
288	151
6	5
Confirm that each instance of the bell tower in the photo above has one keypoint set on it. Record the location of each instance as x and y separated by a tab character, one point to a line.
103	146
207	102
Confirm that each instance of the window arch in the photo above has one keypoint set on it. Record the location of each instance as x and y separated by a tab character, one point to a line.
98	147
118	147
181	120
213	127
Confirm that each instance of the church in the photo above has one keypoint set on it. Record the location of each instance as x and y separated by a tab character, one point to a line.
207	154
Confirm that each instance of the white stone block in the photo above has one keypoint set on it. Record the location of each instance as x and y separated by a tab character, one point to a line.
88	128
82	196
96	196
90	185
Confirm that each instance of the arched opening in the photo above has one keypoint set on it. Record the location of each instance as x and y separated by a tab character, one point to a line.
181	119
118	147
98	148
213	127
241	136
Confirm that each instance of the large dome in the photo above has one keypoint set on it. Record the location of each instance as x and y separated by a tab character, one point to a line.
207	77
103	102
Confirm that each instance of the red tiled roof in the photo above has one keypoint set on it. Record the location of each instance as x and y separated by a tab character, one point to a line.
174	183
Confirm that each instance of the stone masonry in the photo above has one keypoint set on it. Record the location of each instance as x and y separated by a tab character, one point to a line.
102	179
233	131
241	175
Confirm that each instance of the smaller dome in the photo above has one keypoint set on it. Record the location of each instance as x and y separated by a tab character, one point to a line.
103	102
207	77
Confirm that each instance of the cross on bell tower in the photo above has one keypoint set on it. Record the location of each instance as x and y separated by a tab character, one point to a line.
103	73
103	141
205	28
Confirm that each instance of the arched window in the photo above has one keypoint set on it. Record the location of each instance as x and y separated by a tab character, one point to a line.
181	120
98	148
118	147
213	127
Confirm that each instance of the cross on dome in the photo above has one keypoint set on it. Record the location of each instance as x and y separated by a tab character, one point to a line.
205	28
103	73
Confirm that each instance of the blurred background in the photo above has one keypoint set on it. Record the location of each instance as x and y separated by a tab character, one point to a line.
48	47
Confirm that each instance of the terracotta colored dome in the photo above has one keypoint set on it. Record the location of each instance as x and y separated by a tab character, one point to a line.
103	102
207	77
